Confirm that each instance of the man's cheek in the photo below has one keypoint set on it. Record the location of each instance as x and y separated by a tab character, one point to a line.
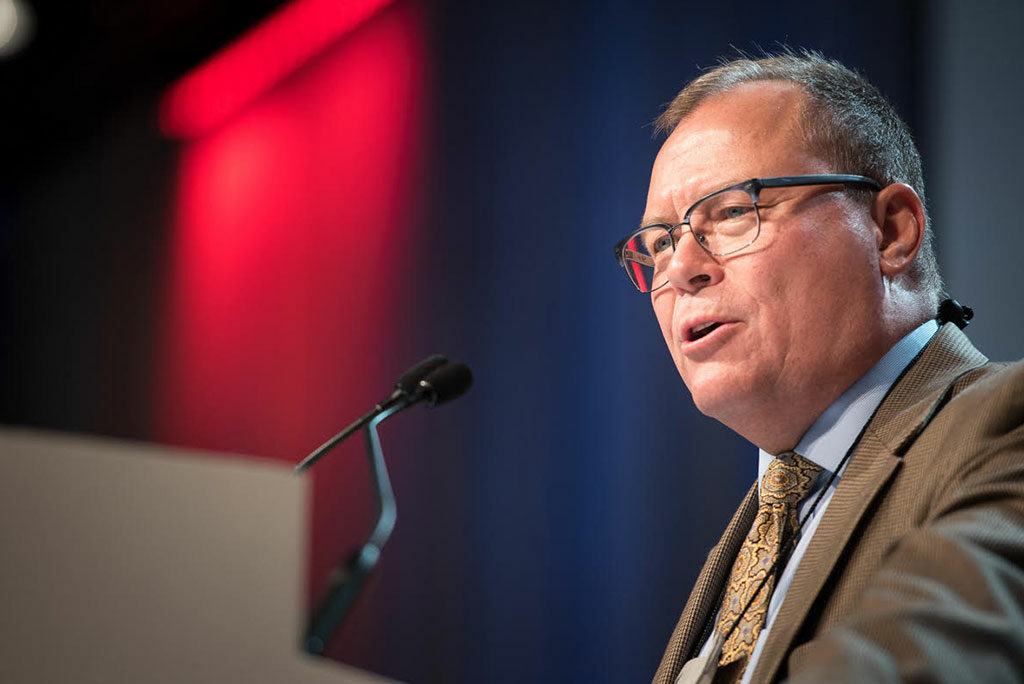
663	314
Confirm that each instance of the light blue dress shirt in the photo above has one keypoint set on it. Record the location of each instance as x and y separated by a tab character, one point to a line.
825	443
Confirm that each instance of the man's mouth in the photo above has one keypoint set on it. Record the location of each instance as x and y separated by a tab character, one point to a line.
699	331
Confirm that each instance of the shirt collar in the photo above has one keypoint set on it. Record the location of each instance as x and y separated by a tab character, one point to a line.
830	437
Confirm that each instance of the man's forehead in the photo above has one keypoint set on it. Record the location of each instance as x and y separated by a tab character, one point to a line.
749	131
679	176
758	108
687	146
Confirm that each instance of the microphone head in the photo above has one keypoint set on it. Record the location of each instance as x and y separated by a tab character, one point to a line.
408	382
446	383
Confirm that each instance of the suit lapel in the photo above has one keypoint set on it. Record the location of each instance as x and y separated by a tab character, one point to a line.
903	413
705	597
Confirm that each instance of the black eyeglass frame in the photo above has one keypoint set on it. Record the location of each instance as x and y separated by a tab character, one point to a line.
753	188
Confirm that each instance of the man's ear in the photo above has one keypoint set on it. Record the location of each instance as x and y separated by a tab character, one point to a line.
899	222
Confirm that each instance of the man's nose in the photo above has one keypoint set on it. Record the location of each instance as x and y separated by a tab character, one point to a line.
692	268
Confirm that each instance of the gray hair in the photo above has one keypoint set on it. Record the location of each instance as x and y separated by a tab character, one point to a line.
844	118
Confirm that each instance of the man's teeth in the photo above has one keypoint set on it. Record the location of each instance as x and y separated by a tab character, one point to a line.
699	331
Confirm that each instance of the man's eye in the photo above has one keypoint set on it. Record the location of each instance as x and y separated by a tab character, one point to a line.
735	211
661	244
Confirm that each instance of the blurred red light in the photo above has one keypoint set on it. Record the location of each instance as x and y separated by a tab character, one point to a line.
239	74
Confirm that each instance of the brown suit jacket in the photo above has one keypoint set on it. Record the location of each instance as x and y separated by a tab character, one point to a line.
916	571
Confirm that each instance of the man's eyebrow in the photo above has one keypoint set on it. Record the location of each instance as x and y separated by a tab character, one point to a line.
656	220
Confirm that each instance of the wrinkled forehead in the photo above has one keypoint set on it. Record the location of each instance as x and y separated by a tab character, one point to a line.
750	131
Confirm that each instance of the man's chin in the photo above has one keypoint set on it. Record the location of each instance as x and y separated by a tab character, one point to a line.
719	398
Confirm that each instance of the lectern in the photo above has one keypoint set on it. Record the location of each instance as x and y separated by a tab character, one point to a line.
124	562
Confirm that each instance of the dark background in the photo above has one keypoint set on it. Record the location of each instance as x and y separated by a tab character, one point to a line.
552	522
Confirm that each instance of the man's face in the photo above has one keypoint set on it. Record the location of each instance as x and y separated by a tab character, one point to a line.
798	309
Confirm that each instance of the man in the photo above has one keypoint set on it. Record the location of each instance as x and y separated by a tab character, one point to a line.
884	539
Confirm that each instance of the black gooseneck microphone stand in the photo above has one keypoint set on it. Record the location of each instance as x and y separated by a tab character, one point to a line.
434	380
346	580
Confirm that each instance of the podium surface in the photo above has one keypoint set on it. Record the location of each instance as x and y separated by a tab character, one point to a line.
127	562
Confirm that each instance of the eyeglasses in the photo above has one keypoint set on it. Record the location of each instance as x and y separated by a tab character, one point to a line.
722	223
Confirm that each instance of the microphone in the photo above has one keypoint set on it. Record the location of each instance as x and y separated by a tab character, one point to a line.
952	311
444	384
435	380
408	382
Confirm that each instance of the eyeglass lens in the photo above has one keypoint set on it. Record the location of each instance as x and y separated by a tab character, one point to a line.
721	224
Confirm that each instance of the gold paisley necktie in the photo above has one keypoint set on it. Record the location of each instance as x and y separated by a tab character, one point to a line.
786	481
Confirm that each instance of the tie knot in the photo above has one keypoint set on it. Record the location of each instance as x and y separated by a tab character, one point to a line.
788	479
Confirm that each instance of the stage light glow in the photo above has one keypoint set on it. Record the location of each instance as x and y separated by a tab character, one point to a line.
16	26
239	74
277	322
